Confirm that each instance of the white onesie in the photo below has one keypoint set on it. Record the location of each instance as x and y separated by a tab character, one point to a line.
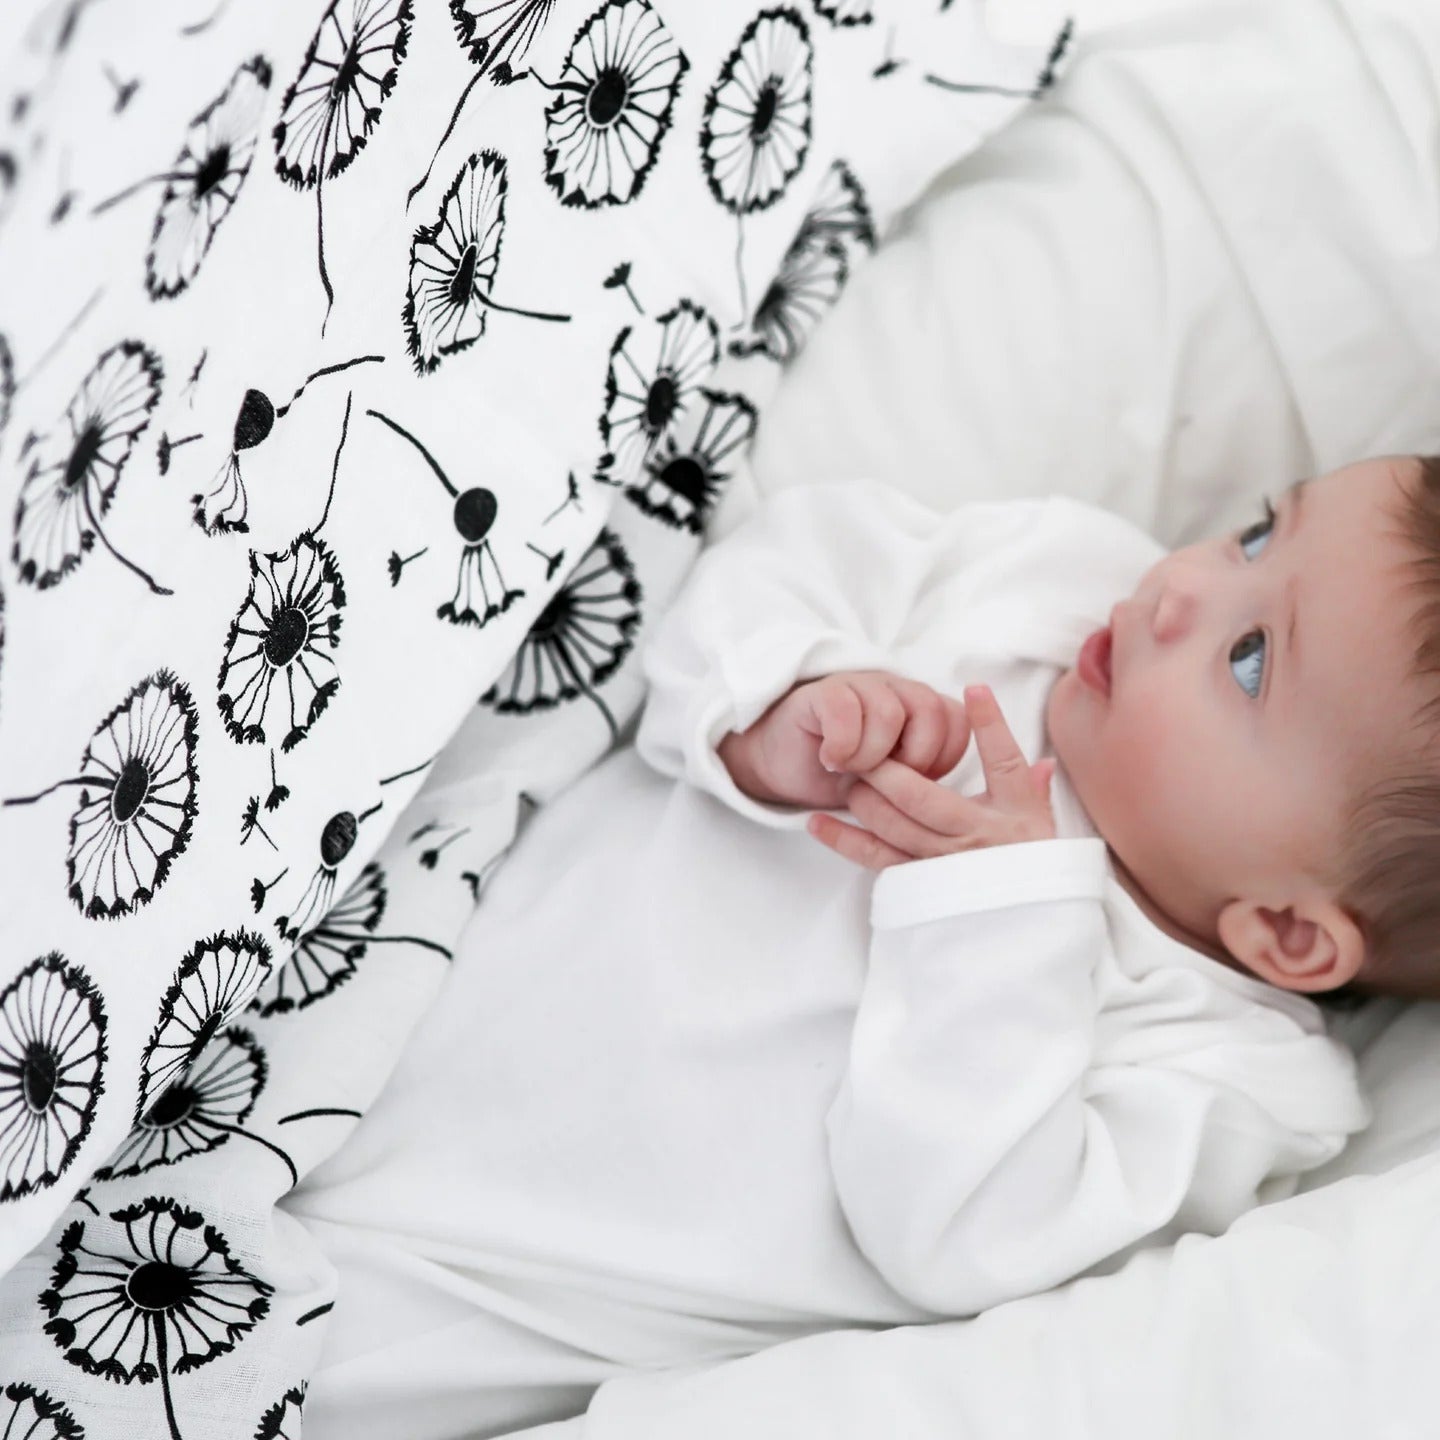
696	1084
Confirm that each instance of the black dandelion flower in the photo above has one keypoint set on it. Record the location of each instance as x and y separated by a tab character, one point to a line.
281	642
30	1414
148	1292
474	514
76	467
337	840
841	211
755	132
682	481
137	798
756	126
615	96
653	378
846	12
811	277
282	1420
579	639
204	182
326	955
225	507
332	107
1043	81
7	384
496	35
52	1055
199	1110
9	169
215	981
453	263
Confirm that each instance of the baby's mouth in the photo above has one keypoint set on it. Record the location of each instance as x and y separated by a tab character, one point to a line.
1093	666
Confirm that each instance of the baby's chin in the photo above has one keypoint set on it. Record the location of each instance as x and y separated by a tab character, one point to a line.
1060	706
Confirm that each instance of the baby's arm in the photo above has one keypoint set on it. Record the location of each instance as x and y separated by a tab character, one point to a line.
1009	1118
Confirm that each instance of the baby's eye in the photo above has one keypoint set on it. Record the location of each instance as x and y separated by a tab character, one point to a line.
1260	527
1247	660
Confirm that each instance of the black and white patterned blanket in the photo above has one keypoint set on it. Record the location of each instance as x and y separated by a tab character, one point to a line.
368	374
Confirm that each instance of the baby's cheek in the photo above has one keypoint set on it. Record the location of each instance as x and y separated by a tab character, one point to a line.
1146	768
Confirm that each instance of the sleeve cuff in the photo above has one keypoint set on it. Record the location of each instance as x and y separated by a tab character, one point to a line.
970	881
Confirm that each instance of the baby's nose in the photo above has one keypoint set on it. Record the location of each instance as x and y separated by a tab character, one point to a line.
1173	615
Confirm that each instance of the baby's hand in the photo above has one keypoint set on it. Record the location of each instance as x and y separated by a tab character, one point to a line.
810	745
912	818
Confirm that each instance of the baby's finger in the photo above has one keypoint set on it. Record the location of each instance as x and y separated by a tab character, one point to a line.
925	801
1007	771
924	734
839	719
855	844
883	722
893	825
957	739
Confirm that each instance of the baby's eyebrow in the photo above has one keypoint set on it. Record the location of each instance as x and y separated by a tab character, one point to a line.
1296	494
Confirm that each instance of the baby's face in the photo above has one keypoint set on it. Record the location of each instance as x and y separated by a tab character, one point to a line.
1216	767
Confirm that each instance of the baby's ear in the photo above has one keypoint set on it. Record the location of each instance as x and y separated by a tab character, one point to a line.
1311	946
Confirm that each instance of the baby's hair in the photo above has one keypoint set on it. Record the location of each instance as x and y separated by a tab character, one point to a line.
1387	876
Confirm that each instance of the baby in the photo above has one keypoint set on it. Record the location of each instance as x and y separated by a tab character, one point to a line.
1043	995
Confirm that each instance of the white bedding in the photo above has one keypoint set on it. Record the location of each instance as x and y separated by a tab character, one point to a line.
1210	263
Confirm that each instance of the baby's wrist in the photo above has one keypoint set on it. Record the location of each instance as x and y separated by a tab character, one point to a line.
736	752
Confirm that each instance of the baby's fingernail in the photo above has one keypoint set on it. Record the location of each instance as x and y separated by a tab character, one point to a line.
827	765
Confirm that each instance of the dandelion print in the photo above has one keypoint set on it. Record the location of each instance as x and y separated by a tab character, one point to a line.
337	840
52	1054
474	514
326	955
7	384
30	1414
148	1292
756	124
579	639
755	131
810	278
137	799
225	508
199	1110
76	467
681	483
334	104
204	181
613	105
496	35
1043	81
281	644
215	981
840	212
499	32
282	1420
453	263
653	379
847	12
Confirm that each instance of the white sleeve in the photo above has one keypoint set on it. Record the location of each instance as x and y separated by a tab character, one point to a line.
819	578
981	1148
